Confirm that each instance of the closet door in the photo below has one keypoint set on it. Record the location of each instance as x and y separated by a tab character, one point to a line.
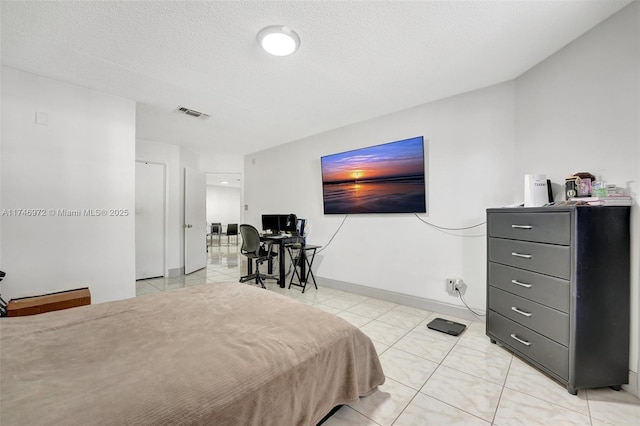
150	206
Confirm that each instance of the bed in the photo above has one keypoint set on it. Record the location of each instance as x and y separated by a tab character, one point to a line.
219	354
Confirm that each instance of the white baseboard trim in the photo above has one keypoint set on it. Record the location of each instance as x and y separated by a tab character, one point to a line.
400	298
632	387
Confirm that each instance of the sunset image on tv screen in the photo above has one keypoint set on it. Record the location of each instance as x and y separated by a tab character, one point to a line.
387	178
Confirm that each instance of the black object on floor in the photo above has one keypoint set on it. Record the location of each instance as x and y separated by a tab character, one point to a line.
331	413
446	326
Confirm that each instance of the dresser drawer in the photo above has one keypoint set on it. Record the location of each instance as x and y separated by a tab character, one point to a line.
547	259
542	319
532	345
550	291
552	227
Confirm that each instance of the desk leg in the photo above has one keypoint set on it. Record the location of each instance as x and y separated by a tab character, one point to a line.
270	265
310	271
303	265
281	262
306	262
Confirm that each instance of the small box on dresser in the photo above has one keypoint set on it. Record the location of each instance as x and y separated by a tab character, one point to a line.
558	288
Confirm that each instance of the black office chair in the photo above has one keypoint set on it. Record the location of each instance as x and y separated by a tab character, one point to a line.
256	251
232	229
216	229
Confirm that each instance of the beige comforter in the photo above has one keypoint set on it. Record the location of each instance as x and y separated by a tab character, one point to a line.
220	354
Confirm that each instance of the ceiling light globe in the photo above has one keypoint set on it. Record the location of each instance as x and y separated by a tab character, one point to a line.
278	40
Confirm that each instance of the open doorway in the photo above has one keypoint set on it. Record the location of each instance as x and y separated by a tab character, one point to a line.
224	205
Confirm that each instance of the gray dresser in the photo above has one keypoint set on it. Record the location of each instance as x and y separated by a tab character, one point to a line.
558	290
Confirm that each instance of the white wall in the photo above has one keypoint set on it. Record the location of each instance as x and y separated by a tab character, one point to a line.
469	160
579	110
214	161
223	205
83	158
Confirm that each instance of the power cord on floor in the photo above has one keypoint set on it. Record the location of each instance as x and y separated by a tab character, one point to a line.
457	290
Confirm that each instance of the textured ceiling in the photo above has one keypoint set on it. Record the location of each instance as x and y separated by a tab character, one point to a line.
357	60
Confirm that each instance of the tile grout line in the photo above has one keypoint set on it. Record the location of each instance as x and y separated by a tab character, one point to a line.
495	413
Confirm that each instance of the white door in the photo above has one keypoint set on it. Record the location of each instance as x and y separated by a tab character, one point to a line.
195	220
150	205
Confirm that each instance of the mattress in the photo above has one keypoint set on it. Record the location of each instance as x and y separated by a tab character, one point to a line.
219	354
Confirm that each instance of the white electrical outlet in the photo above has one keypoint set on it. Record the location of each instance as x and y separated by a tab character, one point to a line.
455	286
459	286
450	284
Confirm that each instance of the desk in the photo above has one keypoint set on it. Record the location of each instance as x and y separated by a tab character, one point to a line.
281	241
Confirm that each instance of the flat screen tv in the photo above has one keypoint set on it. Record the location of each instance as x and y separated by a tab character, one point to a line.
387	178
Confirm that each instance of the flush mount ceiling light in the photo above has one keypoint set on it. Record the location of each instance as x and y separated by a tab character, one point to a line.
278	40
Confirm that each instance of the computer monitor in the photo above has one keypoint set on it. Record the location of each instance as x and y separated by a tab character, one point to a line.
277	223
288	223
271	222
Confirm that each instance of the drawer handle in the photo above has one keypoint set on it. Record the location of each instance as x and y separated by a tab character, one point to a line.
522	226
526	314
526	256
524	342
521	284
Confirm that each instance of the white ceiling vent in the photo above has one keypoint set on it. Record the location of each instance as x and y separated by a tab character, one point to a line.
192	113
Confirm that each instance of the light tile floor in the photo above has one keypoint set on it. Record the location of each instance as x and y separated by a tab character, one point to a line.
433	378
